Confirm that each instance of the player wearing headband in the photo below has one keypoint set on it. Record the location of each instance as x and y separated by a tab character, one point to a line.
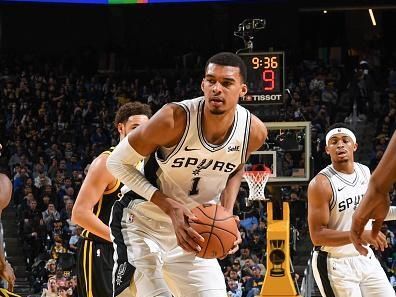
333	195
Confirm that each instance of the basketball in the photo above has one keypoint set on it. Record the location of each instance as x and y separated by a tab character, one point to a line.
218	227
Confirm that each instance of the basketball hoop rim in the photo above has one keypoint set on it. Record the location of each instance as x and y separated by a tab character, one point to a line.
257	174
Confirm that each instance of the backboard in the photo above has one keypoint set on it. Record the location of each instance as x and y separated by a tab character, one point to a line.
286	152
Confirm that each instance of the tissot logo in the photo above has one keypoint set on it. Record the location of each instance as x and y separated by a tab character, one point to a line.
233	148
253	98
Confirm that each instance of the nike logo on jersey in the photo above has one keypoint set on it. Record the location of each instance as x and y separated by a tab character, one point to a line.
187	149
340	189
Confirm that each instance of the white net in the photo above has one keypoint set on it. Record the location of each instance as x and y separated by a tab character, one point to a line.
256	181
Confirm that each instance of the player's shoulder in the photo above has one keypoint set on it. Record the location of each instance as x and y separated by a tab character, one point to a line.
170	115
99	163
319	185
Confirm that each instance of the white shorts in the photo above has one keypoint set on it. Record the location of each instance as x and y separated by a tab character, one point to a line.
161	265
357	276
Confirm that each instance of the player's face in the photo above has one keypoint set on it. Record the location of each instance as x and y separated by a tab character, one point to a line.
341	148
222	87
132	123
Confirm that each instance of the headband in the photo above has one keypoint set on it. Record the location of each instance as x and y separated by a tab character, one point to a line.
345	131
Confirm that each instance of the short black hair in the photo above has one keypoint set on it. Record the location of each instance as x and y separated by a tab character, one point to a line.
340	125
131	109
229	59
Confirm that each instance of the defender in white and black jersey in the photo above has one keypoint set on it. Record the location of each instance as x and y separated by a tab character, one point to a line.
333	196
200	147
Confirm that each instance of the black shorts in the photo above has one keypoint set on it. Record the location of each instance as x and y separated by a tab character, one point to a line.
5	293
123	270
94	269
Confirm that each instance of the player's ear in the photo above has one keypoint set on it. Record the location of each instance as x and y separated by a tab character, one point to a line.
202	84
243	90
327	150
120	127
355	147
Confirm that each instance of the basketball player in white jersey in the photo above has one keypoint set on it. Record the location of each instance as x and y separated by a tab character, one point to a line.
376	201
200	147
333	196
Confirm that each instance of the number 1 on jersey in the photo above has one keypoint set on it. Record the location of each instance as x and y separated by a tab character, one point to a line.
194	188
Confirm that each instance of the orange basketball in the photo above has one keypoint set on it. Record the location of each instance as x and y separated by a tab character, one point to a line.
218	227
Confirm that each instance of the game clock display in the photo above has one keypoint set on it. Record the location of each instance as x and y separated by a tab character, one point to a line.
265	77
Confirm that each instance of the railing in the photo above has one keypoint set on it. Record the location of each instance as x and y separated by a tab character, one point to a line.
307	285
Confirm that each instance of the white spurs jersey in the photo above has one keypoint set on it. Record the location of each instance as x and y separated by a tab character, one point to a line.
348	191
195	171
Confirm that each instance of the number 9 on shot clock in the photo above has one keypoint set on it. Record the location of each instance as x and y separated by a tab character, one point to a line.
265	77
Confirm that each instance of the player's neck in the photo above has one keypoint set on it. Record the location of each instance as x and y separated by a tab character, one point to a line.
216	128
347	167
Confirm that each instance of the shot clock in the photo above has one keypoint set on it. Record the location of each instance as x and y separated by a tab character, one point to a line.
265	77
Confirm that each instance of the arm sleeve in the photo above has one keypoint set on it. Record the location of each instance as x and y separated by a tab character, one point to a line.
121	164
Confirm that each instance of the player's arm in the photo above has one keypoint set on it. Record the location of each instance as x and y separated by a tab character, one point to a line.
6	271
95	183
165	128
257	137
375	204
258	134
319	196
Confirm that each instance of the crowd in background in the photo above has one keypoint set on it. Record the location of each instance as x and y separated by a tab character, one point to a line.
54	123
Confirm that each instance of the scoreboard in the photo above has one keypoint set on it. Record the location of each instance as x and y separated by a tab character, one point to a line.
265	77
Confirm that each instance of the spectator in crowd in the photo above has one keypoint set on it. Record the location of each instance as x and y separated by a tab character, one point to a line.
234	289
50	215
52	288
254	284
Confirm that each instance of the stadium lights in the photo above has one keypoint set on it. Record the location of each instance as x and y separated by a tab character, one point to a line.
372	17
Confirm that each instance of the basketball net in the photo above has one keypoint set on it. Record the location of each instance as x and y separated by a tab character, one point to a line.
256	181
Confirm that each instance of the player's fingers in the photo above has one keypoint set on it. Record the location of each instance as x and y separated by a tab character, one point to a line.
377	224
195	235
234	250
239	239
190	215
382	242
237	220
237	242
358	242
359	246
191	239
184	244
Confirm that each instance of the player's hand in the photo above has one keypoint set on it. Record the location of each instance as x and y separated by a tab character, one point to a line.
375	206
239	239
8	275
186	236
379	242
